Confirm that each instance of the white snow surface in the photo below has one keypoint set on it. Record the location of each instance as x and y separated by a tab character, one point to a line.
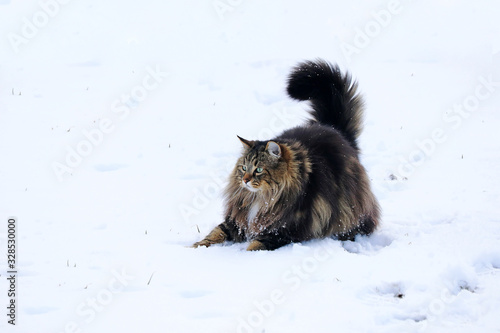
118	124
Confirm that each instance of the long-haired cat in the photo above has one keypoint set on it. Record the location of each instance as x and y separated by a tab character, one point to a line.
308	182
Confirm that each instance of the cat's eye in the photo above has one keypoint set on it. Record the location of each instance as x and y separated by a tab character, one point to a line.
259	170
244	168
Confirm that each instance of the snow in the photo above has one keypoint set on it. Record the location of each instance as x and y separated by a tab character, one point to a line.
137	107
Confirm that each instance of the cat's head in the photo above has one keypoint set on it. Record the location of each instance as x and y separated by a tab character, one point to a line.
261	167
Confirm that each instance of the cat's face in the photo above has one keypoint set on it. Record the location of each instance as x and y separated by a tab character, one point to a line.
258	168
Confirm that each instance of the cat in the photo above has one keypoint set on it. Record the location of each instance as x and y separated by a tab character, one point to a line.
308	182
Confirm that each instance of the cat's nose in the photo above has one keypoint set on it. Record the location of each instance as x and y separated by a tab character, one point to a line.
246	179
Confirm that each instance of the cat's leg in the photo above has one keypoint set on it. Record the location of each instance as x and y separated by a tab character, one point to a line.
226	231
216	236
268	242
256	245
366	226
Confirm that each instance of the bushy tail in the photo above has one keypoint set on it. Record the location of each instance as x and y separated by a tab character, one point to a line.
333	95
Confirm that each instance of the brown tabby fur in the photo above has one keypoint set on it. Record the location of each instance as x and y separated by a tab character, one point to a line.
308	182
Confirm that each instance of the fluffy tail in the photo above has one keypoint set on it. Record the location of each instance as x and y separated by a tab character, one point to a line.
333	95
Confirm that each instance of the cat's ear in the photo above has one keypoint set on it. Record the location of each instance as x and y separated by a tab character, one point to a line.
246	143
273	149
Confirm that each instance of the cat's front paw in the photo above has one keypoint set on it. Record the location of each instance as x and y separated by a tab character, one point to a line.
255	245
204	242
216	236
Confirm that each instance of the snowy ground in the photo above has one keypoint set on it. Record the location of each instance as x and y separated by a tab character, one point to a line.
118	124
